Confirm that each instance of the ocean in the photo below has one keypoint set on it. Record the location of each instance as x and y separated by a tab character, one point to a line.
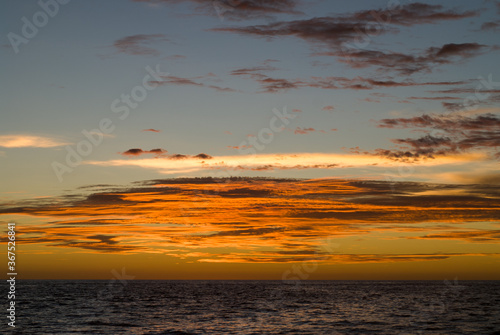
256	307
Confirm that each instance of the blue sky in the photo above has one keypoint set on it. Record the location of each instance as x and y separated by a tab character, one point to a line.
64	80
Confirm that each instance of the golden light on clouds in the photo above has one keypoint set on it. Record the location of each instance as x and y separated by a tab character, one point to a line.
34	141
259	220
267	162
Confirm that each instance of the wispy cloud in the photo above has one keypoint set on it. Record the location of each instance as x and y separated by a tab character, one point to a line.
411	14
492	25
484	236
237	9
33	141
269	257
196	81
407	64
302	131
277	85
139	44
333	30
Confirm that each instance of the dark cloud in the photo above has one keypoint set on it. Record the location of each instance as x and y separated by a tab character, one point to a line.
411	14
465	91
274	85
104	198
106	245
426	141
250	232
203	156
454	49
343	28
491	25
453	106
253	71
484	93
138	152
162	153
137	44
278	85
341	34
458	134
94	186
133	152
445	122
325	30
408	64
237	9
178	156
172	80
484	236
103	239
433	98
152	130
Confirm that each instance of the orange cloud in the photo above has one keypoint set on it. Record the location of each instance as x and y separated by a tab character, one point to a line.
259	219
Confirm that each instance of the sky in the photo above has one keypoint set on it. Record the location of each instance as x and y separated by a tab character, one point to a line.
251	139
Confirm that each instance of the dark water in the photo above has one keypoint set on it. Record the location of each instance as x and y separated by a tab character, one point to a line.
257	307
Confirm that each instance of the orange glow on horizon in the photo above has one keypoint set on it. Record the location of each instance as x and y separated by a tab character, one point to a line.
247	220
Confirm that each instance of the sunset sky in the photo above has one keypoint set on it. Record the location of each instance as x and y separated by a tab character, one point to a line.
251	139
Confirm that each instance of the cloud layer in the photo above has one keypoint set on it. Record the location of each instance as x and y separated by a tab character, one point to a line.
262	219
